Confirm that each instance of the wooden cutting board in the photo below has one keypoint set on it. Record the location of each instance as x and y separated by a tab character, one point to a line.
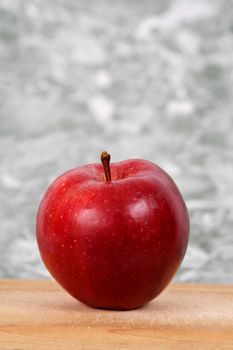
37	315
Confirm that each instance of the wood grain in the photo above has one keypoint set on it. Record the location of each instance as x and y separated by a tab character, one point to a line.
37	315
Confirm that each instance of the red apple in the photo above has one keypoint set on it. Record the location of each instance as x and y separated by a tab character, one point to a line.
113	236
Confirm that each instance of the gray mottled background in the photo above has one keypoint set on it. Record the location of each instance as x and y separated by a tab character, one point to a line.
149	79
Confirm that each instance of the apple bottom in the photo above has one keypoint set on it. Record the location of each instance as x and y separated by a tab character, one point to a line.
120	287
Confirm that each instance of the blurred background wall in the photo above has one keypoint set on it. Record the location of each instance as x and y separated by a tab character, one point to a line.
146	79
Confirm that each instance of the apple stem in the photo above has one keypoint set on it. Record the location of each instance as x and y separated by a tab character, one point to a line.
105	159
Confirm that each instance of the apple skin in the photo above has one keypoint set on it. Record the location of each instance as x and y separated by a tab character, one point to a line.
113	245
